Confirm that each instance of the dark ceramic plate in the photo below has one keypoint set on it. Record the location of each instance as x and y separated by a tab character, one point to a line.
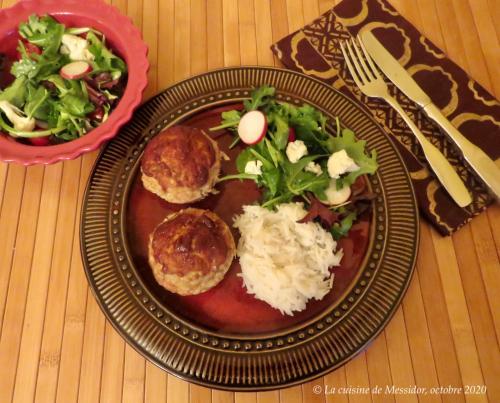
225	338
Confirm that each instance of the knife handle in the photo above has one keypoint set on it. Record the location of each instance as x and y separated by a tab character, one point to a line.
484	166
439	164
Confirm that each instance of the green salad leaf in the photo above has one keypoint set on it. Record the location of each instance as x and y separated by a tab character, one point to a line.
273	179
16	92
278	130
44	32
340	230
230	120
104	59
260	97
38	103
76	106
26	66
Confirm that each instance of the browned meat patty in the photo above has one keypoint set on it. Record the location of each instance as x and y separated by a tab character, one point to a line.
191	251
181	164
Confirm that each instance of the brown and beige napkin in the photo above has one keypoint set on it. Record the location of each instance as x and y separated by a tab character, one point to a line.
314	50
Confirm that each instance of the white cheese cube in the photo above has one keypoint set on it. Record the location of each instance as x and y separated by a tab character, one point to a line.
295	150
313	168
76	47
253	167
339	163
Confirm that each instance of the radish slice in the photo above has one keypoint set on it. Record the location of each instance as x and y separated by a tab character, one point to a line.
39	141
252	127
75	70
335	197
291	135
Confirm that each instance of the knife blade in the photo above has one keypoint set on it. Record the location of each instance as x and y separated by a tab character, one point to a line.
483	165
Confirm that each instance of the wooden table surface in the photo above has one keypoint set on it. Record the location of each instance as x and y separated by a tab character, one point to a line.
55	343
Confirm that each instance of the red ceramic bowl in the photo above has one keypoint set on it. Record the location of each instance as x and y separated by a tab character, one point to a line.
123	38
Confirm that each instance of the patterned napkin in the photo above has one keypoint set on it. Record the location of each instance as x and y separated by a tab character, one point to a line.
314	50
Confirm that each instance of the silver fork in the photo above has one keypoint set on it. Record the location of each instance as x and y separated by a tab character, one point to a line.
371	83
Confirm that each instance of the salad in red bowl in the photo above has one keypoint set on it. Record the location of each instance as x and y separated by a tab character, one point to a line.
70	76
66	82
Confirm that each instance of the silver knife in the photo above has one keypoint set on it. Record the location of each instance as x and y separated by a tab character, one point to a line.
484	166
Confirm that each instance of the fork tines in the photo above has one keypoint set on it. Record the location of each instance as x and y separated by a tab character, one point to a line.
359	62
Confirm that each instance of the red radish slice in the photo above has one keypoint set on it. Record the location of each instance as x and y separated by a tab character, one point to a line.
75	70
291	135
252	127
39	141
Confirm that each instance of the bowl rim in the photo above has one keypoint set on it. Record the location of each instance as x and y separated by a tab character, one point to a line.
135	52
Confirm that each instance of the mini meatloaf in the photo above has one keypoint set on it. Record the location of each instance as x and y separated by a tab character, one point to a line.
190	251
181	164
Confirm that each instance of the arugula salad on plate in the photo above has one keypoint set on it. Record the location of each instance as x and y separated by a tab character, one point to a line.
65	82
291	156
